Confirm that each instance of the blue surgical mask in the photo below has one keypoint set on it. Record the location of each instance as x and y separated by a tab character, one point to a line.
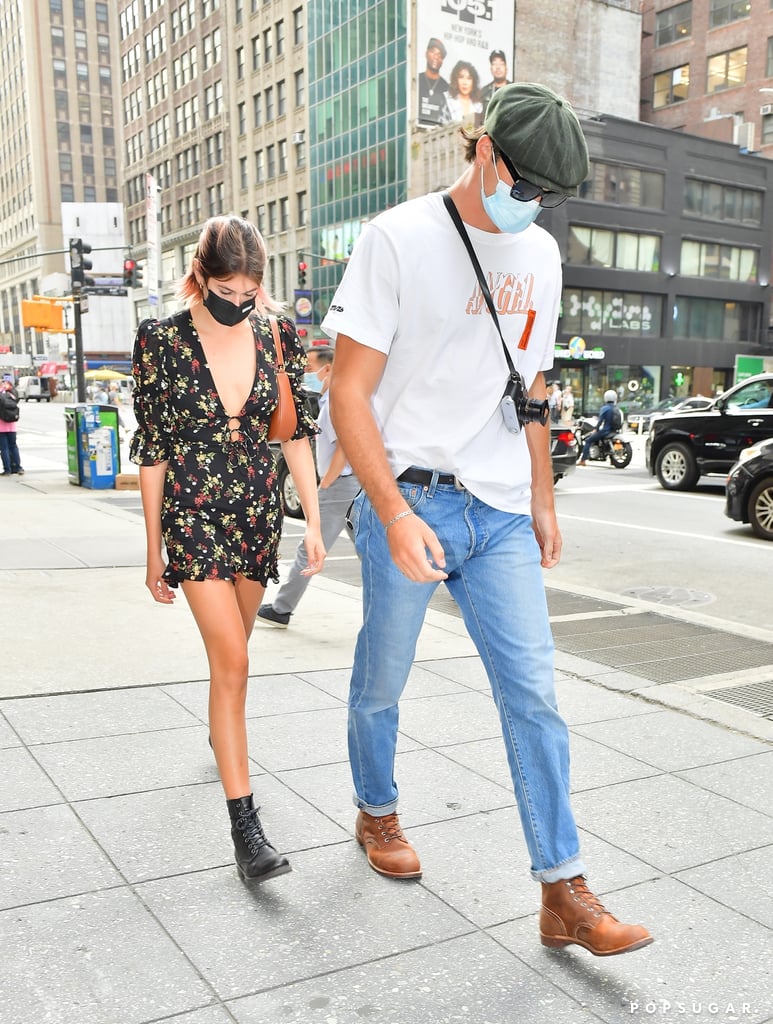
507	213
312	382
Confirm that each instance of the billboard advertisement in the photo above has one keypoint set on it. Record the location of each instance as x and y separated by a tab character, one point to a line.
464	52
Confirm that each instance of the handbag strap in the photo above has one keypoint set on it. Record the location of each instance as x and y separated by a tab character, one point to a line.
280	353
459	225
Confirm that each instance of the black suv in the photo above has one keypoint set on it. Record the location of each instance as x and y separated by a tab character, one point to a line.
683	445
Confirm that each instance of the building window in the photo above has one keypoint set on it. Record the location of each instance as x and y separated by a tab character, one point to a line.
284	213
240	62
215	199
298	26
214	150
715	319
302	209
266	45
63	133
260	166
726	70
619	250
624	186
300	88
241	117
257	100
769	61
269	95
67	193
589	311
260	219
255	53
767	130
670	87
281	98
270	161
722	12
726	262
272	220
673	24
283	156
243	179
711	201
279	38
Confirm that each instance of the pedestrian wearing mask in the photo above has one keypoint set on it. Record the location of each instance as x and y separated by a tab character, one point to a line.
205	387
457	491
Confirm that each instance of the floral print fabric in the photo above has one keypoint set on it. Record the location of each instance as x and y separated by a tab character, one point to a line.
221	512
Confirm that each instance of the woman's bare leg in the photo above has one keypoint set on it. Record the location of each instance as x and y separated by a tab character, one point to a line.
225	614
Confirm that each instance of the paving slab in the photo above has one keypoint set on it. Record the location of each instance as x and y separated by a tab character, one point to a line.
747	780
330	913
673	742
670	823
469	980
705	960
23	783
739	882
8	738
75	716
110	765
47	854
97	958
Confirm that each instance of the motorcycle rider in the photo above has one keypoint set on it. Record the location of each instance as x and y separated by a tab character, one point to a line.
606	425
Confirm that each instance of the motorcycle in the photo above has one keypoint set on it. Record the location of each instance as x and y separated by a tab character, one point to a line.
613	447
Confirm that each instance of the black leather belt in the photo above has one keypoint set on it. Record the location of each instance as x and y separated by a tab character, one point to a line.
412	475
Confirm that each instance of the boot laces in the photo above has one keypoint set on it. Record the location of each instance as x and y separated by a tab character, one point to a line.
251	828
578	887
389	827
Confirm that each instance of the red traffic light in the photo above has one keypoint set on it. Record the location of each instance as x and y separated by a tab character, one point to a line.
302	266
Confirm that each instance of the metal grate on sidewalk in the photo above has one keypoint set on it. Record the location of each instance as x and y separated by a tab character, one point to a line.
754	697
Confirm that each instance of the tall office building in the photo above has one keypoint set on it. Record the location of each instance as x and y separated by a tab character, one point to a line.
59	141
707	69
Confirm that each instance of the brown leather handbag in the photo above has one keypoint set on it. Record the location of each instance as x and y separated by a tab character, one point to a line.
284	419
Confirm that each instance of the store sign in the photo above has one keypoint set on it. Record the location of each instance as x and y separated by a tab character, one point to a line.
610	311
587	353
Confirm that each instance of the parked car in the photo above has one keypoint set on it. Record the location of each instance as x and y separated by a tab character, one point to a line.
682	446
563	452
641	420
749	489
34	387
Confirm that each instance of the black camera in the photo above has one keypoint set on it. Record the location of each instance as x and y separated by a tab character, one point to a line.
518	409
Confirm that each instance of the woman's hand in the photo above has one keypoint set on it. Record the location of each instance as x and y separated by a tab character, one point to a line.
158	587
315	551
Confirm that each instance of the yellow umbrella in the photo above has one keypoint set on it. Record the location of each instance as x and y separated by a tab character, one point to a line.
103	373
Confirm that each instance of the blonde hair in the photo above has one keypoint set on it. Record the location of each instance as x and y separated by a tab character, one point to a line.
229	245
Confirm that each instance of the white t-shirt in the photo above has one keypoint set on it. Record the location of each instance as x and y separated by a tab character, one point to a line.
410	291
326	439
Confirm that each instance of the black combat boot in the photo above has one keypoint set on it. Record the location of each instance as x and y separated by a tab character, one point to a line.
256	858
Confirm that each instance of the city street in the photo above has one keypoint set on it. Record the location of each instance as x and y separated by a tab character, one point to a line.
119	902
623	534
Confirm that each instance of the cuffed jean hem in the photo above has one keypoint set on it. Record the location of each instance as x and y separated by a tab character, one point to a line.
569	869
375	812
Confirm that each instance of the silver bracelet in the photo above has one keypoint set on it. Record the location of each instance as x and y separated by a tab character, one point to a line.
400	515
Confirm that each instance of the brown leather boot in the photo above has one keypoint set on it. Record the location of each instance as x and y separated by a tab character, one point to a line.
389	852
571	913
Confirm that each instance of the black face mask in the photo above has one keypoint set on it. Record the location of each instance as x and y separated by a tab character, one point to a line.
225	312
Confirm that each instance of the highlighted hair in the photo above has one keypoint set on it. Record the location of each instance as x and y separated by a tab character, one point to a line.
227	246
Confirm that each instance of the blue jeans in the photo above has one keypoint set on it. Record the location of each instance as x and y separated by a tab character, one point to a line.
9	451
591	439
494	574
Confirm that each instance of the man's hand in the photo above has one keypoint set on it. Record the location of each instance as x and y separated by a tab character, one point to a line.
548	536
410	541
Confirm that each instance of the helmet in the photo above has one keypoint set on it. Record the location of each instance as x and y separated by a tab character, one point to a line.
610	397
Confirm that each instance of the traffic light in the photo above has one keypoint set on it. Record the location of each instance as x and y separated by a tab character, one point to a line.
132	273
302	268
79	265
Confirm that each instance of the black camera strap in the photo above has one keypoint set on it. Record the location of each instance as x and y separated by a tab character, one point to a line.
459	225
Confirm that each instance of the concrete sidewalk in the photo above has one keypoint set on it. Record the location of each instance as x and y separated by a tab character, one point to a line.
119	900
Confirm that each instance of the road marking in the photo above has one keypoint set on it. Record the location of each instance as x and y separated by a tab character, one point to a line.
658	529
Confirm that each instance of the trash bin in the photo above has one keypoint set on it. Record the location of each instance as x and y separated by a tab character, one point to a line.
93	454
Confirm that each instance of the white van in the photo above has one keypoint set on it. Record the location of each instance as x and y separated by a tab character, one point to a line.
33	387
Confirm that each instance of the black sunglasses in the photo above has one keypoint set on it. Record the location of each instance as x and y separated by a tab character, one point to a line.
524	191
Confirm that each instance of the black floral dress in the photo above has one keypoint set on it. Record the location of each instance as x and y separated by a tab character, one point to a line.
221	513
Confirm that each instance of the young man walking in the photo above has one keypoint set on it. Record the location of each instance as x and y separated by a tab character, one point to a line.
455	489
